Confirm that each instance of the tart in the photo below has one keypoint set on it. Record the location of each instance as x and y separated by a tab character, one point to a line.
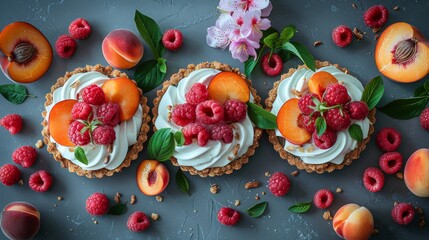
130	131
304	154
208	157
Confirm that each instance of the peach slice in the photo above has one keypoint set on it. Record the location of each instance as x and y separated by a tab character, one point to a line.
402	53
352	221
319	81
20	220
124	92
152	177
27	52
122	49
228	85
416	173
60	118
287	122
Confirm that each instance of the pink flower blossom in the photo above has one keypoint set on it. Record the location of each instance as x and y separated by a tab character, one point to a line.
244	5
255	24
216	38
243	48
267	11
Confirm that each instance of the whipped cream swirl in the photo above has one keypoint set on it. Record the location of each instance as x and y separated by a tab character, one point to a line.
215	153
344	144
126	131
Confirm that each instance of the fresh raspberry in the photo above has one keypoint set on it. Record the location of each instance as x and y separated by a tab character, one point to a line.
197	94
183	114
272	66
97	204
25	156
209	112
308	122
305	103
358	110
326	140
388	139
221	132
172	39
65	46
138	222
235	110
108	113
390	162
40	181
403	213
76	135
373	179
337	119
104	135
93	94
12	123
336	94
82	111
278	184
195	130
342	36
79	29
424	119
323	198
376	16
9	174
228	216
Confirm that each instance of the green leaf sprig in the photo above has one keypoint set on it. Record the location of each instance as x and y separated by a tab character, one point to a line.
300	207
80	155
182	181
261	117
373	92
162	143
14	93
257	210
151	73
118	209
281	44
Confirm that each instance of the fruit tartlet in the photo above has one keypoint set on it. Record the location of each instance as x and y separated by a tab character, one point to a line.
95	121
208	104
315	113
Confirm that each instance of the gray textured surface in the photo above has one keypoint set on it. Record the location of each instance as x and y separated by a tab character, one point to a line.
194	217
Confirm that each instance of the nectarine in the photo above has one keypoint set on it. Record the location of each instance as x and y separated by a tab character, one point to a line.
416	173
352	221
20	220
122	49
402	53
152	177
228	85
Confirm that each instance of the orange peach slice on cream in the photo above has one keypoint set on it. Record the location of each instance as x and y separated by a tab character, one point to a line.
319	81
353	222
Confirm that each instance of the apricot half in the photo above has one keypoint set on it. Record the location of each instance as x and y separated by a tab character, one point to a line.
152	177
319	81
228	85
287	122
60	118
27	54
402	53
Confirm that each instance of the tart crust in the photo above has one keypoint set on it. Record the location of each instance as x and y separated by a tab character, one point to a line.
133	150
233	165
295	160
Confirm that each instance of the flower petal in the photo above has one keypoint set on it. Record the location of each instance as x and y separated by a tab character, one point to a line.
217	38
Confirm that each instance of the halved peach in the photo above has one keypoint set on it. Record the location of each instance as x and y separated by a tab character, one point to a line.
124	92
27	52
402	53
152	177
319	81
288	125
59	121
228	85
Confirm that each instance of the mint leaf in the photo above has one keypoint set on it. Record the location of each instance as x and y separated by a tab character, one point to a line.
161	145
257	210
148	75
300	51
420	91
355	132
284	55
150	32
250	64
79	154
300	207
261	117
287	34
14	93
118	209
161	65
271	40
320	126
426	85
182	181
179	138
405	108
373	92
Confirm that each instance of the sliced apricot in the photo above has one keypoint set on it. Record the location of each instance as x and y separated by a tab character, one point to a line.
152	177
59	121
27	52
124	92
288	125
228	85
319	81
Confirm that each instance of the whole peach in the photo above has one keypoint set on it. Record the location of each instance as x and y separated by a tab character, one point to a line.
416	173
122	49
353	222
20	220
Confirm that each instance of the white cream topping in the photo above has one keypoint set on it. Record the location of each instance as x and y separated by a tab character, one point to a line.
215	153
126	132
309	153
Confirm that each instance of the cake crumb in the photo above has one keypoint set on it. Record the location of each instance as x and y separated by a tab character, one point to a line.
301	149
399	175
252	184
39	144
169	107
267	174
60	198
376	30
159	198
354	6
395	203
235	150
296	92
107	159
133	199
310	149
214	188
237	202
375	231
21	182
358	34
396	8
317	43
327	215
294	173
154	216
95	222
117	198
290	148
263	193
338	190
75	84
376	36
257	197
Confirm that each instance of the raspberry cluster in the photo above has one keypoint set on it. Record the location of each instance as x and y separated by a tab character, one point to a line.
205	119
